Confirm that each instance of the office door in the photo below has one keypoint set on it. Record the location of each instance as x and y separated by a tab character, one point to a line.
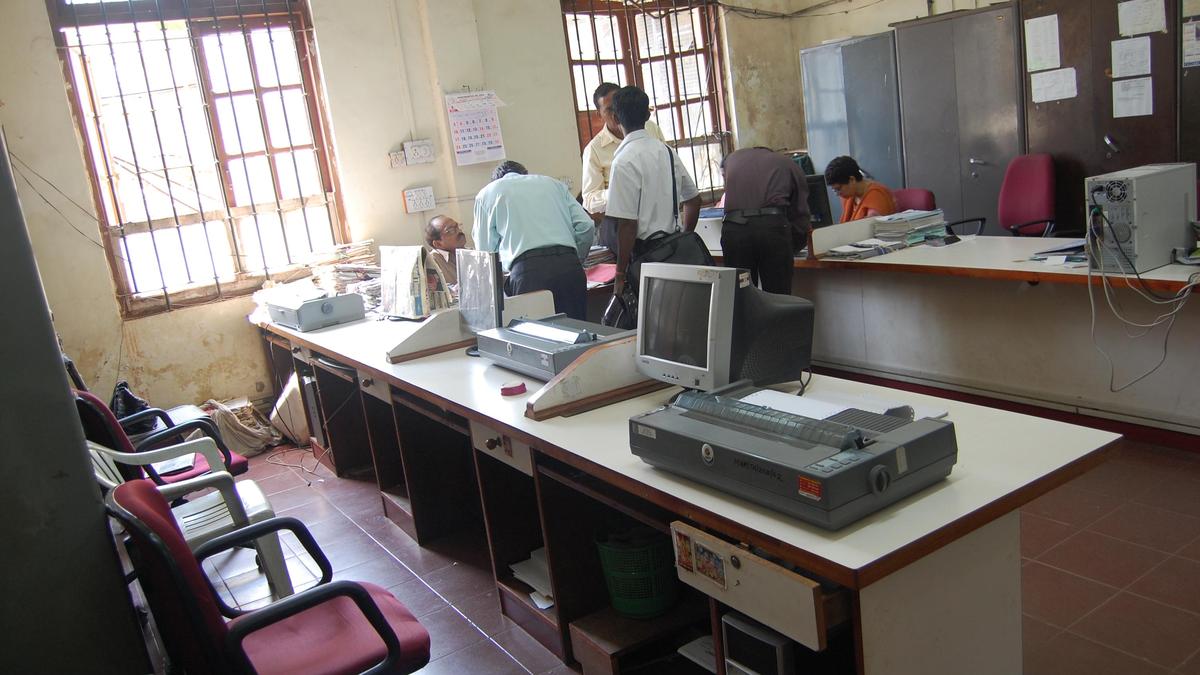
929	111
990	128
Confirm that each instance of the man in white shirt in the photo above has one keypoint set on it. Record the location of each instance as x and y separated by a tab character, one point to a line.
642	197
597	162
541	232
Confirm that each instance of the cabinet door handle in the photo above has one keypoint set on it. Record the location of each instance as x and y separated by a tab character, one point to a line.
976	162
1112	145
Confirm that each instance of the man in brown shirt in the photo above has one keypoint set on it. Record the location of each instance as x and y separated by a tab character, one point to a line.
766	199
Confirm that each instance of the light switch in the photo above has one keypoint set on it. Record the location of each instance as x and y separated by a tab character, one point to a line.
418	152
419	199
396	159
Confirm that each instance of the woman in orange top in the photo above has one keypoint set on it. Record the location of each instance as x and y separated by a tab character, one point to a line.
861	198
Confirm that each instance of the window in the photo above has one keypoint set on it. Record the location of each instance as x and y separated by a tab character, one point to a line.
669	48
205	142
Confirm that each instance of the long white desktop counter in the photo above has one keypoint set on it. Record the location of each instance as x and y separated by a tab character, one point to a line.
934	579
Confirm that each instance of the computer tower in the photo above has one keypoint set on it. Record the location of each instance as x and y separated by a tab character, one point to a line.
753	649
1138	217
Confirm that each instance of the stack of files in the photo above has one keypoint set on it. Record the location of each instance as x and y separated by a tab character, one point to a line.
599	255
867	248
911	226
535	573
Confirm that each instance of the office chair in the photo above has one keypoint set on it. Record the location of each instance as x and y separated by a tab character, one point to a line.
223	509
334	627
1026	206
914	198
101	426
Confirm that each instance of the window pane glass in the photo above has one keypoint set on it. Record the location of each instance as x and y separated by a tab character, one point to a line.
652	38
665	119
140	262
287	118
241	127
704	163
313	220
275	51
697	120
227	62
656	80
588	77
579	36
298	174
251	181
687	29
693	75
590	38
255	234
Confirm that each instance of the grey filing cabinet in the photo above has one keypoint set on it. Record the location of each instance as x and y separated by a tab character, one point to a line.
961	106
852	107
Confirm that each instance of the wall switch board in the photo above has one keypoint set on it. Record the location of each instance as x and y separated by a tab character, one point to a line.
419	152
419	199
396	159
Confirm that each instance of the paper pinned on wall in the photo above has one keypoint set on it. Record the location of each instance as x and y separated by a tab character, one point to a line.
1191	44
1191	8
1133	98
1053	85
475	127
1041	43
1131	57
1135	17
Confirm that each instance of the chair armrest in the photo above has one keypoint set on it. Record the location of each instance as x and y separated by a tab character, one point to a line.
183	428
312	597
222	481
981	221
1045	233
157	413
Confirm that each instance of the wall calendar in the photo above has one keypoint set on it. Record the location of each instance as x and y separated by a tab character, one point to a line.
475	127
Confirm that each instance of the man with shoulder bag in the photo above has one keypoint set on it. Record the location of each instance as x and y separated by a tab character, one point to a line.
647	188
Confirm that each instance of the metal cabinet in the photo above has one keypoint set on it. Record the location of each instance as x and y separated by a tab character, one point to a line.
960	102
852	107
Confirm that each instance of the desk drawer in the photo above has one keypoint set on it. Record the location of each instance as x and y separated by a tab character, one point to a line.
776	597
373	386
513	453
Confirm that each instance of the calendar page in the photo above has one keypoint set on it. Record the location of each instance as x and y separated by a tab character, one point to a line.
475	127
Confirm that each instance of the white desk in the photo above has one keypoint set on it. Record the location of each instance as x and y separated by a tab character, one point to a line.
935	578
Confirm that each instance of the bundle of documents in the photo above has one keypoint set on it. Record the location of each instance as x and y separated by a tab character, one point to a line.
344	265
867	248
599	255
911	227
535	573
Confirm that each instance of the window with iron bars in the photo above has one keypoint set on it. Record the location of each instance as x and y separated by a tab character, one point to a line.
205	141
669	48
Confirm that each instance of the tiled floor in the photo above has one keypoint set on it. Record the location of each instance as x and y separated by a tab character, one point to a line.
1111	569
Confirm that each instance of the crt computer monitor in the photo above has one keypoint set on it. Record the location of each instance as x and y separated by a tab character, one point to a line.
703	327
818	201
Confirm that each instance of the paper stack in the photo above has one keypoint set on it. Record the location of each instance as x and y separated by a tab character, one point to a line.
599	255
535	573
912	226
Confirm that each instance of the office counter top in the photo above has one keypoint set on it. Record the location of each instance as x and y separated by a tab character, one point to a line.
1005	459
1005	258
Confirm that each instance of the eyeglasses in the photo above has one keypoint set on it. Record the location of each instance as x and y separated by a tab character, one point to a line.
450	230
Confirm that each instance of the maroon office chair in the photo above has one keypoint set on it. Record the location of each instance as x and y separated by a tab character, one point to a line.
101	426
914	198
334	627
1026	206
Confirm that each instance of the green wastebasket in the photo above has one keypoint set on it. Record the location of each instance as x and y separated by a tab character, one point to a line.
639	570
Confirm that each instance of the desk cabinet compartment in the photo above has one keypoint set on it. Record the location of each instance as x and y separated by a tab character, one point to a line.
514	533
439	471
501	447
385	451
779	598
349	450
577	510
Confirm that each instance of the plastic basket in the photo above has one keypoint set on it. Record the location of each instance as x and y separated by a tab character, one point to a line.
640	574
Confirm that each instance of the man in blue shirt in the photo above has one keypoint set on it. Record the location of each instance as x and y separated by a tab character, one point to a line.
541	233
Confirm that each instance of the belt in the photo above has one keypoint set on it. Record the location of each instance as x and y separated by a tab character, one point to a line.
741	216
544	251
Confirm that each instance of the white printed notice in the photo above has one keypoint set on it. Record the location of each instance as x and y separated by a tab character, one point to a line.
1053	85
1041	43
1141	16
1133	98
475	127
1191	8
1131	57
1191	44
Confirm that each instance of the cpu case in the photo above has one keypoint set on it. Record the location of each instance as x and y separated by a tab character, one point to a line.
1137	217
753	649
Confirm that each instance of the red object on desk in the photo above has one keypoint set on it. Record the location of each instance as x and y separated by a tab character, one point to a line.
512	388
602	273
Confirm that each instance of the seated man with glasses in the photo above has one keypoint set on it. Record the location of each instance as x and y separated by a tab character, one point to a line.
444	236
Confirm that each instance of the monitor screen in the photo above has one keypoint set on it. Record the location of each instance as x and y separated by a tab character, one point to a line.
678	329
818	201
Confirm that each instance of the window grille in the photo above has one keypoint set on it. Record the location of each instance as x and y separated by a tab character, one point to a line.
669	48
206	142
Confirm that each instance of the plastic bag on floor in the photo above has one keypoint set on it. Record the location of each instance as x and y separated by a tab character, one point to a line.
243	429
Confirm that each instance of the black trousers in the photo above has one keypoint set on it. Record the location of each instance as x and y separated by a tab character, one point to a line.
762	245
556	269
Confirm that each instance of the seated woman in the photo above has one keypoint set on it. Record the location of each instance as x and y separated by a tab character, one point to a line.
861	198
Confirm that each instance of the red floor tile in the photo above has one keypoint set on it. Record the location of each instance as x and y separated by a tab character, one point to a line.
1039	534
1072	506
484	611
1176	582
481	657
527	651
1149	526
449	632
1121	478
1179	493
1144	628
1192	550
1059	598
1104	559
1035	632
1192	667
1069	654
383	571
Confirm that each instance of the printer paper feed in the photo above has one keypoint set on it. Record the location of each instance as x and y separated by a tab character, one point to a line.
823	406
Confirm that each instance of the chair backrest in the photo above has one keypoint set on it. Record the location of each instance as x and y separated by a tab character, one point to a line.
180	596
914	198
100	426
1027	193
106	469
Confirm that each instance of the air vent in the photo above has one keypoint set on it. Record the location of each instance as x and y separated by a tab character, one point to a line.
1116	191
